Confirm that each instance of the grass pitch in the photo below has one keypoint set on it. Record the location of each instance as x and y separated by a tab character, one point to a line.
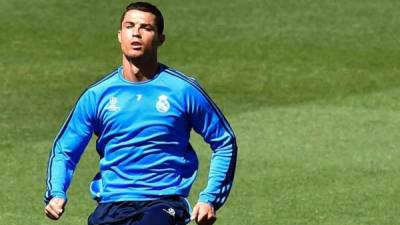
311	88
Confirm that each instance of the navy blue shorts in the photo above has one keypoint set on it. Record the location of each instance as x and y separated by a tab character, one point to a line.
173	210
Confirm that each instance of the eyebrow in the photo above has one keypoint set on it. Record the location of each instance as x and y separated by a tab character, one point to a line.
141	24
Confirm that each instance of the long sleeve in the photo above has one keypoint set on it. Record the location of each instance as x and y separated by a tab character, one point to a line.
68	147
207	120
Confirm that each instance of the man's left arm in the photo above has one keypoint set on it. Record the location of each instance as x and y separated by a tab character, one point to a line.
208	120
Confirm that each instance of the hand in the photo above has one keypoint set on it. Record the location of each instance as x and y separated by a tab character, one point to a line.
203	214
55	208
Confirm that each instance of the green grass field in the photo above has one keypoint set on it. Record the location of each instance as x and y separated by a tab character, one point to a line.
311	88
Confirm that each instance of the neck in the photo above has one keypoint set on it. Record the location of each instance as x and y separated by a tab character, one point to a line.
137	70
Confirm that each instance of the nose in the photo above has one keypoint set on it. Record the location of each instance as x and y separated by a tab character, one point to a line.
135	32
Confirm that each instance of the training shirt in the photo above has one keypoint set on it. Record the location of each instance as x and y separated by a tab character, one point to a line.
143	131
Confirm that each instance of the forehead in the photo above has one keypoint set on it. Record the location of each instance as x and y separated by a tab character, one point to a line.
137	16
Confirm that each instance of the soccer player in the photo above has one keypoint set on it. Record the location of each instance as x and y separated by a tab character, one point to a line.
142	114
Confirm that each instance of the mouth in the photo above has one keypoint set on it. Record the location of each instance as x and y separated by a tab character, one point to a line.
136	45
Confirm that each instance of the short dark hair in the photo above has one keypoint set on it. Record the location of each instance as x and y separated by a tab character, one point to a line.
146	7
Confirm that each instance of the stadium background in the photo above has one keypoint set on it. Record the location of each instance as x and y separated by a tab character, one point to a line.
312	89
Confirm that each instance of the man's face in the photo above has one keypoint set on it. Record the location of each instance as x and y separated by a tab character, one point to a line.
139	35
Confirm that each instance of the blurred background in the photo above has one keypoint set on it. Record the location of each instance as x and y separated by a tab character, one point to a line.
311	88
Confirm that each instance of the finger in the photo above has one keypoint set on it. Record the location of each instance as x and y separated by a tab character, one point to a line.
51	213
55	209
202	214
206	215
195	212
207	221
210	215
48	214
58	205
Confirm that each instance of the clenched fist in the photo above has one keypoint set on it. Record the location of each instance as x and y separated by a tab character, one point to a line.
55	208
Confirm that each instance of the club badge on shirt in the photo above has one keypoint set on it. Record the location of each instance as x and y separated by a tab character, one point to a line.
162	104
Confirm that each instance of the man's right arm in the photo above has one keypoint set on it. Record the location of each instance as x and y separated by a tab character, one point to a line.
67	149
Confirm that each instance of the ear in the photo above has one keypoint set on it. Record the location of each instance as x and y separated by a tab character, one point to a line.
119	36
161	39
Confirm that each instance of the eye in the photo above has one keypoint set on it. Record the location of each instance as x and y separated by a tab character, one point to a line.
147	28
128	25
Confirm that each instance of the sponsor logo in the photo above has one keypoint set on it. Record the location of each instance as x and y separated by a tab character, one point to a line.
170	211
113	105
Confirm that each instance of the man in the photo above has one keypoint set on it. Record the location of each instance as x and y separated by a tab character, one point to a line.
142	114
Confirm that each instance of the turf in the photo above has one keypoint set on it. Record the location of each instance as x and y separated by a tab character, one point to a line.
311	88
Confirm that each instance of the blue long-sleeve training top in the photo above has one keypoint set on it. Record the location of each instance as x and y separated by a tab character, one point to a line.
143	131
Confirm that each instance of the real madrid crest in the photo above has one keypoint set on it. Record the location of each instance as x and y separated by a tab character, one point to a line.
162	104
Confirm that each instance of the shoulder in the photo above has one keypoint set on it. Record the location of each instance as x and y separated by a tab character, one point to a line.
95	90
104	82
180	80
188	88
98	87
